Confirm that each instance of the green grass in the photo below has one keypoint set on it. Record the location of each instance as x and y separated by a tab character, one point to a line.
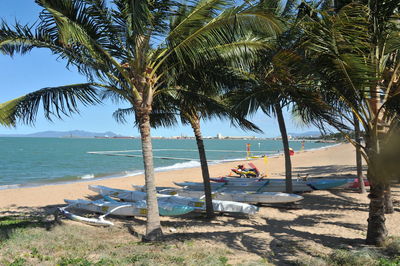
31	243
389	255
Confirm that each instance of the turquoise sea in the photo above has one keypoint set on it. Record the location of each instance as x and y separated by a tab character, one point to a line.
36	161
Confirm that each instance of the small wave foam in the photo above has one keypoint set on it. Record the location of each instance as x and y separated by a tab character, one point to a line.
89	176
176	166
10	186
131	173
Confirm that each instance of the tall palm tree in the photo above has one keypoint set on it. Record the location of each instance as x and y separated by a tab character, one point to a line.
200	104
357	139
276	80
195	95
335	6
357	58
126	48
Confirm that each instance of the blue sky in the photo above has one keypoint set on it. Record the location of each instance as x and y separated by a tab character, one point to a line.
23	74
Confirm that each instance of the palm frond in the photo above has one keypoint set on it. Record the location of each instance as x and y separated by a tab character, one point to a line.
120	115
56	102
194	17
229	25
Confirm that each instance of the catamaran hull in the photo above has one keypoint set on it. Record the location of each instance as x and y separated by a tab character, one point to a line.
240	196
126	209
196	203
268	186
318	184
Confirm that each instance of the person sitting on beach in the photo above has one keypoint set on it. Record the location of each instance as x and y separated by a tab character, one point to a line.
245	172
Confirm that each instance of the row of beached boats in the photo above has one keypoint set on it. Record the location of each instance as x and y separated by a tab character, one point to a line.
230	195
133	203
271	185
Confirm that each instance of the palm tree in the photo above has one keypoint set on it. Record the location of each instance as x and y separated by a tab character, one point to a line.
126	48
357	139
276	80
199	102
357	58
195	95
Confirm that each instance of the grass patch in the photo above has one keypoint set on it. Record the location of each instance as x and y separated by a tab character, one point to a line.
75	244
11	224
389	255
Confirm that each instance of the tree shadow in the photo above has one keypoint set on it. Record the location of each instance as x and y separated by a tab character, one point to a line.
314	201
286	238
272	238
27	217
326	170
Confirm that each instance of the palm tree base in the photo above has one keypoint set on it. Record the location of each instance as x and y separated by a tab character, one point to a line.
377	232
154	236
210	216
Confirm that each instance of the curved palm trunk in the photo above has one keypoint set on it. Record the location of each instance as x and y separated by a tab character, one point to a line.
376	232
358	155
195	123
285	141
153	226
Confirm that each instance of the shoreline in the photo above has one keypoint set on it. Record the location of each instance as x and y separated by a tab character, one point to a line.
127	174
325	220
51	194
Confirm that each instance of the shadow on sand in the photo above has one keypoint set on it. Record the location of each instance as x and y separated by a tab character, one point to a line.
326	170
271	238
274	239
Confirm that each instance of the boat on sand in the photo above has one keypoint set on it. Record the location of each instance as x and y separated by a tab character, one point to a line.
268	185
240	196
196	203
138	208
315	183
109	206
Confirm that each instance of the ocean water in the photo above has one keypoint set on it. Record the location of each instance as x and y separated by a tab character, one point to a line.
36	161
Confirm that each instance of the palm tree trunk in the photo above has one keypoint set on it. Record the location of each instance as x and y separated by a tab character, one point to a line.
195	123
358	155
388	200
376	232
153	226
285	141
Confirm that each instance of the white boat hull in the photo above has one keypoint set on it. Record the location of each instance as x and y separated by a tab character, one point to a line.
138	208
240	196
315	183
196	203
269	186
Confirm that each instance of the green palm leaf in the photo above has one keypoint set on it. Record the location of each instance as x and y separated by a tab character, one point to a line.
56	102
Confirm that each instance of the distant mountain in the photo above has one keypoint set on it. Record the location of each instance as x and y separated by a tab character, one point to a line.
306	134
63	134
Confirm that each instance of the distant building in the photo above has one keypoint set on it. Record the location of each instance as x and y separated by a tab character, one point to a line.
240	137
219	136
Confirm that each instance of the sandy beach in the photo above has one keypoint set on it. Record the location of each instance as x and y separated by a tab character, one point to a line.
332	160
325	220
